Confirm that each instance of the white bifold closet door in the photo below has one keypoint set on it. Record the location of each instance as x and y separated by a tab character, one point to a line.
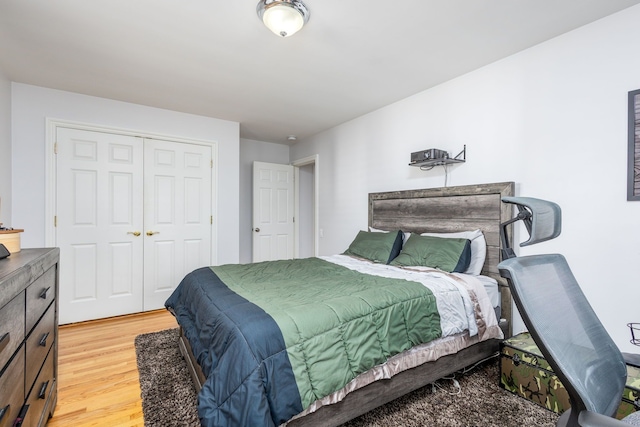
133	216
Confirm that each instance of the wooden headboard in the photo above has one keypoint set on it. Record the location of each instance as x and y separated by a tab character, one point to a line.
449	209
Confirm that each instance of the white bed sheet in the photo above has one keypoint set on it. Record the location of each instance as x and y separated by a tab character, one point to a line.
456	294
491	286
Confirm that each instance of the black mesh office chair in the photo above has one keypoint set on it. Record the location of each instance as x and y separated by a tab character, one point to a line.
563	324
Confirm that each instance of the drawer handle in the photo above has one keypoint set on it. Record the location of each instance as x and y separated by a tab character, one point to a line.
4	411
43	390
43	293
4	340
43	340
21	416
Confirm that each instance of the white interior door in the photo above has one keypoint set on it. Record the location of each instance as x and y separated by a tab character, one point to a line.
273	207
177	215
99	220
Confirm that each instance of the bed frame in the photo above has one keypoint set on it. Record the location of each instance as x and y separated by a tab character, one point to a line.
444	209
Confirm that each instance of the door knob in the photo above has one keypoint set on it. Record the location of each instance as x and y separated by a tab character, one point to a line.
151	233
257	230
135	233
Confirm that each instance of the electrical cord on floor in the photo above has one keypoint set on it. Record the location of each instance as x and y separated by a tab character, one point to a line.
456	385
475	365
435	386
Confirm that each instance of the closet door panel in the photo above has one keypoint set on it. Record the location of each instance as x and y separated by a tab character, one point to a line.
98	211
177	215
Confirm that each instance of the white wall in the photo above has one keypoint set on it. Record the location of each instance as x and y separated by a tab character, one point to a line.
552	118
251	151
32	105
5	150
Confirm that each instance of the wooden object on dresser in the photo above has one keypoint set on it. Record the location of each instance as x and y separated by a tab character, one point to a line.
28	337
11	239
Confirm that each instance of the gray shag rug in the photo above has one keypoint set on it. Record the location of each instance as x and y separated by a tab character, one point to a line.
169	398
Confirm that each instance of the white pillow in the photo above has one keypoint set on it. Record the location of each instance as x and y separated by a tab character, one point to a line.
405	236
478	248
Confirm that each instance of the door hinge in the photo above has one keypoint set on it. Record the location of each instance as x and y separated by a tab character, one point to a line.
211	162
55	148
55	220
294	219
211	219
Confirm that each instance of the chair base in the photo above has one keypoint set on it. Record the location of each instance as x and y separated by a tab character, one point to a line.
591	419
566	421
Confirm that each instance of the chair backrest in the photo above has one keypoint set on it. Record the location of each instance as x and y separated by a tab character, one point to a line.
544	219
567	331
560	319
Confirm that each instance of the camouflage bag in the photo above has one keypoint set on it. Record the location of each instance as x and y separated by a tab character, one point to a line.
525	372
631	394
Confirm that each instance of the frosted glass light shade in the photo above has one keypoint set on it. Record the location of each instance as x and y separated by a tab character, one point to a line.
282	20
283	17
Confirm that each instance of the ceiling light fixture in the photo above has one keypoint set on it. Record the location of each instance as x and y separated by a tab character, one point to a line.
283	17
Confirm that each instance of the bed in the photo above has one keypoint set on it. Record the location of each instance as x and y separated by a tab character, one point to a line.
376	333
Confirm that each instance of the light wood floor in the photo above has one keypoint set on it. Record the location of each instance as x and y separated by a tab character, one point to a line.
97	373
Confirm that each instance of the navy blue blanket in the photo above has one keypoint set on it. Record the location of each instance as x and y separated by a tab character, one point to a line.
241	351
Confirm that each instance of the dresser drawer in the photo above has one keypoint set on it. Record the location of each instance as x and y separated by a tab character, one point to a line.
40	294
40	396
38	345
11	328
12	390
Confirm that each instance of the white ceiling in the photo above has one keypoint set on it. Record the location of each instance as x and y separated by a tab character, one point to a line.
215	58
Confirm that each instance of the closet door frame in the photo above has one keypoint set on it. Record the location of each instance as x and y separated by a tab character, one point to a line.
51	173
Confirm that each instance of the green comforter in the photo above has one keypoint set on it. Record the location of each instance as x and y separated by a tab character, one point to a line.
336	323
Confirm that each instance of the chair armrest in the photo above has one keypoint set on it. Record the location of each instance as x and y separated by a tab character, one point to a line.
593	419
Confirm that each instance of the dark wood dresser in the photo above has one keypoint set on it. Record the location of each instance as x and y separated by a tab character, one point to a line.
28	337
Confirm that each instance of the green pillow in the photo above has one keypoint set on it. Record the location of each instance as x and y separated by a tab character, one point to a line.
376	247
450	255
